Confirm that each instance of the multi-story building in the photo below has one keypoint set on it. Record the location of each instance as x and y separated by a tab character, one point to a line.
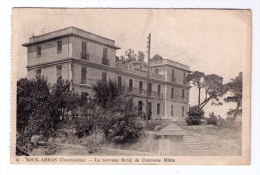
83	58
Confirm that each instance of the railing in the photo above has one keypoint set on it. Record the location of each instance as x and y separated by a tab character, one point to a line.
139	71
173	79
137	91
181	98
105	61
84	56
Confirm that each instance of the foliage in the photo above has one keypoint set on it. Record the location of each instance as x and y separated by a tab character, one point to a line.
140	56
156	57
123	124
151	126
235	87
41	108
63	101
196	79
92	146
213	119
32	97
211	84
105	92
130	56
194	115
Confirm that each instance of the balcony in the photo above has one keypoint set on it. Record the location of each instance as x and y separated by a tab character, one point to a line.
181	98
138	71
84	56
174	79
105	61
143	92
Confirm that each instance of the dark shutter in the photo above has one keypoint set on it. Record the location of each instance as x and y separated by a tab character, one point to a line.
59	47
59	72
83	75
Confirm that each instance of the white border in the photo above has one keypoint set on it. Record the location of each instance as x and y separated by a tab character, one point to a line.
5	47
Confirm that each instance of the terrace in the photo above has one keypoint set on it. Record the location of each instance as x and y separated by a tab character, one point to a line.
138	71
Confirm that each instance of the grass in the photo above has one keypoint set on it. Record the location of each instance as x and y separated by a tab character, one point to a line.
221	141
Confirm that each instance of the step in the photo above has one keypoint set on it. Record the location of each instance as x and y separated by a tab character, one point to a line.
193	143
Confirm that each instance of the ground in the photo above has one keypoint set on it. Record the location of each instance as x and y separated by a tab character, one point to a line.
222	141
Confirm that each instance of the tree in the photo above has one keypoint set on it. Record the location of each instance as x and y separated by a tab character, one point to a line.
130	55
196	79
211	84
157	57
63	101
32	97
213	90
105	92
235	87
140	56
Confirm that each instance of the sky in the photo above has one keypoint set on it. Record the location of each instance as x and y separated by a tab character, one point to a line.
210	41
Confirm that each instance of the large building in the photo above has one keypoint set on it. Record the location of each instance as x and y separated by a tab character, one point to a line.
83	57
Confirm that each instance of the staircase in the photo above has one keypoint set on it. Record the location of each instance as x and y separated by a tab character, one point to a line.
193	146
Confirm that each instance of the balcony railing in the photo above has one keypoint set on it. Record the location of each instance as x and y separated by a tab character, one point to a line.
84	56
173	79
139	71
105	61
181	98
137	91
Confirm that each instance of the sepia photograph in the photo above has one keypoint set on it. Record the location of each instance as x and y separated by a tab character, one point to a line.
131	86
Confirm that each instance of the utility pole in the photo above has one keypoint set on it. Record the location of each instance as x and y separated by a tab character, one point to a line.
148	78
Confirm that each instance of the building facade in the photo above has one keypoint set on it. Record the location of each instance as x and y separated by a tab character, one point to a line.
82	57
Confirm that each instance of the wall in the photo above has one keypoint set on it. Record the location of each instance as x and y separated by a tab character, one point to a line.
50	72
49	51
94	50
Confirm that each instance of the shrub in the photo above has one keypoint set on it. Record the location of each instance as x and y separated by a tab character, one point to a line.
194	115
212	120
92	146
122	122
151	126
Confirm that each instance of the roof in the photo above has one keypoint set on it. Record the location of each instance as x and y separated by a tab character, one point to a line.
70	31
172	129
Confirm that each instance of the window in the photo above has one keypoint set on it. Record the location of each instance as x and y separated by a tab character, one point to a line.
84	54
59	72
104	76
130	85
83	75
38	73
171	110
59	47
183	93
104	58
156	71
159	91
150	89
172	93
119	81
173	76
140	107
149	110
84	95
158	109
38	51
182	111
140	87
184	78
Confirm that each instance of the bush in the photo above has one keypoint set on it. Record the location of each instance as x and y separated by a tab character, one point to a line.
123	123
194	116
212	120
151	126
